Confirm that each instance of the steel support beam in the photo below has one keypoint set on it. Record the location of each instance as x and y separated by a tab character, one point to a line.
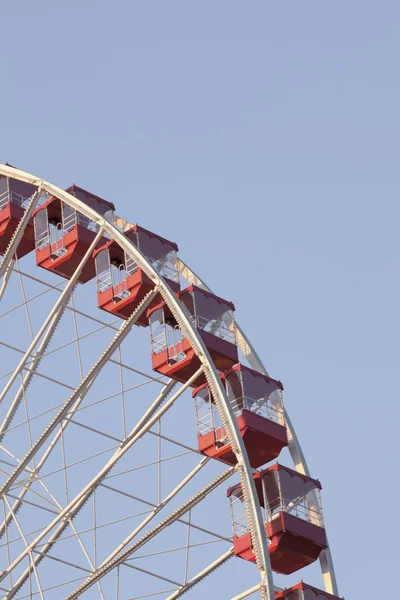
62	300
145	423
32	366
157	509
247	593
204	573
6	277
18	234
183	318
69	407
109	565
296	452
80	391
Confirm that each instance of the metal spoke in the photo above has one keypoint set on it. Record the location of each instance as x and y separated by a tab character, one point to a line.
297	454
115	560
18	233
69	484
77	397
149	573
75	505
51	322
68	409
200	576
26	544
82	408
6	278
158	508
247	593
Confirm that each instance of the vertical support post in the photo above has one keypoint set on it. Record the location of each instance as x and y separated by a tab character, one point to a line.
63	298
18	233
6	277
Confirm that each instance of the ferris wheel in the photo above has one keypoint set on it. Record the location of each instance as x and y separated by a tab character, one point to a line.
139	429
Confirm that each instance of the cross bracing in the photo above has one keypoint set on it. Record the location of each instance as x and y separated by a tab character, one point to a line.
80	411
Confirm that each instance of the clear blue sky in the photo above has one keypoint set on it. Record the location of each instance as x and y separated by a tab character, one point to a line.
264	138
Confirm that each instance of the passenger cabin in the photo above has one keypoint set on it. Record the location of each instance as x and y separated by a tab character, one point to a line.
303	591
63	235
256	401
14	199
293	518
121	284
172	352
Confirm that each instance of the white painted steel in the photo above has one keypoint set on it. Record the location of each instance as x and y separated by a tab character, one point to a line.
18	234
66	412
80	392
77	397
204	573
142	427
297	454
247	593
111	563
62	300
6	277
156	510
79	501
182	316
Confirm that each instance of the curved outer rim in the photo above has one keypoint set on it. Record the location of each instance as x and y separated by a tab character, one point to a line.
182	316
296	452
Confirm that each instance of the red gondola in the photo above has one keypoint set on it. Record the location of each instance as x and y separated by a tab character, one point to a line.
14	198
63	235
172	353
256	401
121	284
303	591
293	518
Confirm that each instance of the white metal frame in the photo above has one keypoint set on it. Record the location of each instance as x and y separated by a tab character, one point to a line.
184	320
295	449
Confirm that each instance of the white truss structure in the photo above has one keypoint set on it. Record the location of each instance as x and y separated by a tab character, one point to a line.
39	530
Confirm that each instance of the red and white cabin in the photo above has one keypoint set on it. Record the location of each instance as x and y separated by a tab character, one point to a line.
172	353
293	518
256	401
63	235
121	284
303	591
14	198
